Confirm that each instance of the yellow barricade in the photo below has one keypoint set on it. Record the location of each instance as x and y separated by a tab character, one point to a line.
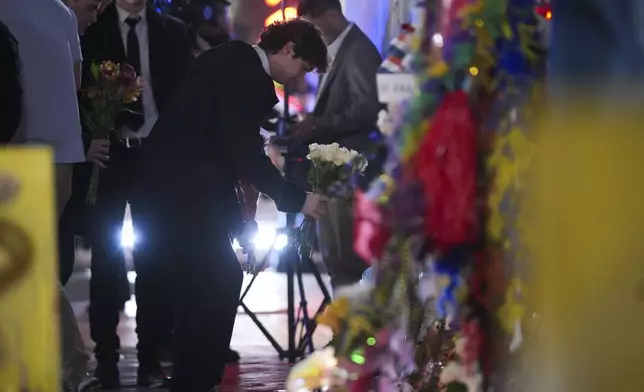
587	234
29	332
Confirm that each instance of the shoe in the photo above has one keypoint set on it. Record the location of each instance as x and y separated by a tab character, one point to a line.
232	356
108	375
152	376
89	384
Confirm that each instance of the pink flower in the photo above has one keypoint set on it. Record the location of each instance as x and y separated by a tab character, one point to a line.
128	76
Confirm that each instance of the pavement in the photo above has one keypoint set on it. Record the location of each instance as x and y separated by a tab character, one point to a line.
260	369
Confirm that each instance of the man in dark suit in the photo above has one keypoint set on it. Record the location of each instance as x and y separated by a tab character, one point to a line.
346	112
212	127
158	47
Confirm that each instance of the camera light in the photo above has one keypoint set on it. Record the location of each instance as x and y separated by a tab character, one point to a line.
128	238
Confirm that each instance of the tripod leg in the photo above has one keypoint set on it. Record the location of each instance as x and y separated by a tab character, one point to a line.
290	294
306	322
319	280
325	301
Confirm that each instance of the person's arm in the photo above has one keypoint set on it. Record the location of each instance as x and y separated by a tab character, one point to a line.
11	89
74	47
363	106
239	127
248	198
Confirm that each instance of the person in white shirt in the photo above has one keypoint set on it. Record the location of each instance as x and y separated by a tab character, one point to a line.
158	47
50	57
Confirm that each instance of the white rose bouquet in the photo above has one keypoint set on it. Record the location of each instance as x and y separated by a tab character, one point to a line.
333	169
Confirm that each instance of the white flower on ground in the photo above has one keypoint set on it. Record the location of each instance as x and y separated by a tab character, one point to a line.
385	123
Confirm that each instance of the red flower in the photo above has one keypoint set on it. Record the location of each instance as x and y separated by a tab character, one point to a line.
371	233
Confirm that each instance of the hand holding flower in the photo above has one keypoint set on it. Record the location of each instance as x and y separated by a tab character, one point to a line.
98	152
114	86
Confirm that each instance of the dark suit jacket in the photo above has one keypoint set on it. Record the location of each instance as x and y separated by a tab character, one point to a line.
347	107
208	138
169	49
170	57
10	88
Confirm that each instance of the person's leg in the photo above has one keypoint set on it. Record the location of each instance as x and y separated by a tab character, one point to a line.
66	252
153	289
209	284
105	290
74	358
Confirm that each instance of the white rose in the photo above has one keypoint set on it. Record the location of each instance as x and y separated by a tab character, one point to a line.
314	152
328	155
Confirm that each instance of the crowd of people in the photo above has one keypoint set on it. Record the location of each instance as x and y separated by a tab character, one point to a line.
178	158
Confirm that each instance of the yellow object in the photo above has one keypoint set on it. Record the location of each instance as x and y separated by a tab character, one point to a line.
277	16
335	313
313	372
586	226
513	310
29	352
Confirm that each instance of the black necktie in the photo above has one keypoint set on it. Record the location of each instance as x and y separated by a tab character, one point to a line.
134	121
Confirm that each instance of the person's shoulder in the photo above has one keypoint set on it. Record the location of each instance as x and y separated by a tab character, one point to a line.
66	15
240	47
236	53
363	46
173	23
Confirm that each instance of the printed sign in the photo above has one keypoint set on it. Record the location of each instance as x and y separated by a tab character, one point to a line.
396	87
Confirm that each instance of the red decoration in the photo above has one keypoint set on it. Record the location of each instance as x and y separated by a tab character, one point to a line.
545	11
446	165
363	383
370	232
473	343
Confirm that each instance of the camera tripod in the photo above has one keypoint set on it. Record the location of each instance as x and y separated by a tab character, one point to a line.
301	325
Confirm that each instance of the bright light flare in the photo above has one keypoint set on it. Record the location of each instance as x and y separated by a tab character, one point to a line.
289	13
266	239
128	238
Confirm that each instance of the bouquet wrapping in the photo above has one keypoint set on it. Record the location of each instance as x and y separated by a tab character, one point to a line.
114	86
332	173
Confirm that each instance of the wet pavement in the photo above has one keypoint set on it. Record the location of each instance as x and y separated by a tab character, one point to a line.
260	369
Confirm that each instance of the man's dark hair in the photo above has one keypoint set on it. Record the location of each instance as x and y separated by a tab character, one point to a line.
315	8
307	41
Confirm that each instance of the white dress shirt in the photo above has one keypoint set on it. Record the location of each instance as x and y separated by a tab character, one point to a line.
264	58
150	111
332	51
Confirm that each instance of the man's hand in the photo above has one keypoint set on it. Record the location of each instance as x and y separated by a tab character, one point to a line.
98	152
315	206
303	130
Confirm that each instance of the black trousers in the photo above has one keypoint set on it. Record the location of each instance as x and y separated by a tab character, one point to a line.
153	294
208	285
73	221
66	252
